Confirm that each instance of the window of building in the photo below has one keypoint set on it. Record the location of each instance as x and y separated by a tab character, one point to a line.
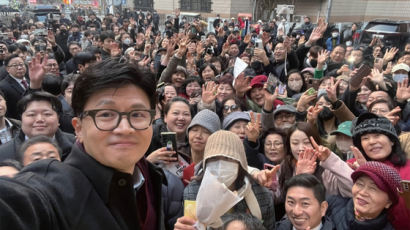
196	5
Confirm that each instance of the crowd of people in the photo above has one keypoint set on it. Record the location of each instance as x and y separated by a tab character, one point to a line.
248	127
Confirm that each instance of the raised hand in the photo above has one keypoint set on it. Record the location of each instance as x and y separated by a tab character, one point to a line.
403	90
389	55
304	101
266	177
306	162
321	152
332	90
315	35
323	55
313	113
242	85
209	92
265	38
36	70
392	115
253	128
247	39
51	38
171	48
360	159
183	43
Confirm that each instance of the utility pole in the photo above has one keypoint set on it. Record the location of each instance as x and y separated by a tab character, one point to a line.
329	8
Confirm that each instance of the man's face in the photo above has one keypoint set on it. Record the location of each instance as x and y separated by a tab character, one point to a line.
3	106
284	120
124	146
4	51
357	56
337	54
39	118
68	92
233	50
303	209
279	52
74	49
407	47
40	151
52	67
376	95
107	43
16	68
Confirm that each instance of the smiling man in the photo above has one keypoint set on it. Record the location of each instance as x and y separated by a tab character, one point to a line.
104	183
305	205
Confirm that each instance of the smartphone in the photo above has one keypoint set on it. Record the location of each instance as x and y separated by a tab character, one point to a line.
203	38
272	83
258	43
169	139
282	88
363	71
311	91
378	64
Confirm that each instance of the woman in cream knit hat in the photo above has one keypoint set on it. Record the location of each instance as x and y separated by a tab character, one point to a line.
225	186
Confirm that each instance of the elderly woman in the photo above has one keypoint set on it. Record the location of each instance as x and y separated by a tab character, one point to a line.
375	193
375	139
225	186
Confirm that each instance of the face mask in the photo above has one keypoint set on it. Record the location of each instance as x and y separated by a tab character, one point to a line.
335	34
24	36
344	145
285	126
321	91
326	114
295	85
349	43
127	41
399	77
225	171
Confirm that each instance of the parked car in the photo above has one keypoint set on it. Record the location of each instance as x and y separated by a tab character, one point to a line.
392	33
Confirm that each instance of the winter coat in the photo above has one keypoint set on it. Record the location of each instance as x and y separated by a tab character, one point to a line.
263	196
285	224
77	194
341	212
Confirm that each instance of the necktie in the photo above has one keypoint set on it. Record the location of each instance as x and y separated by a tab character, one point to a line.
24	83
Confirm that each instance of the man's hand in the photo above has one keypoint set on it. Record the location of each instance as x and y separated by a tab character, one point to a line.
314	36
389	55
51	38
247	39
323	55
403	91
304	101
269	98
185	223
36	71
182	46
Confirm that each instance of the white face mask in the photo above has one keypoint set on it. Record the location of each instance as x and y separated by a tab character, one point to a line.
349	43
225	171
295	85
399	77
344	145
127	41
335	34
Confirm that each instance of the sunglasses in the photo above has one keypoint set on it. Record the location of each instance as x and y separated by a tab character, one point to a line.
232	107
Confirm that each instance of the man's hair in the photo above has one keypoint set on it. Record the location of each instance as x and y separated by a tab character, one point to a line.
109	74
39	96
52	84
35	140
107	34
74	43
83	58
9	58
310	182
69	78
250	222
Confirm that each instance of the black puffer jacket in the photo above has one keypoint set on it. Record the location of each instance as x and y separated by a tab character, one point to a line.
341	212
172	196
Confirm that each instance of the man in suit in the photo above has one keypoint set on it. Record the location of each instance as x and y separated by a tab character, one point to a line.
14	84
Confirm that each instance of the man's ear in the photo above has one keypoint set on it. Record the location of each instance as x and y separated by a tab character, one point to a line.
323	208
76	122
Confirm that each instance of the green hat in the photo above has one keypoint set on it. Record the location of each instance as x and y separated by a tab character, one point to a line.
343	128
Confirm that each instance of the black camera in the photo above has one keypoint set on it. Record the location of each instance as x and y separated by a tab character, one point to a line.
210	50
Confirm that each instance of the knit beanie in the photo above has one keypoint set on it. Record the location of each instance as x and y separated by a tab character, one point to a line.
225	144
371	123
207	119
234	117
385	177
